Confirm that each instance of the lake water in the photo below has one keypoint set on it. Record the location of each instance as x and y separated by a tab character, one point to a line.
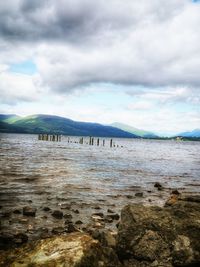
53	174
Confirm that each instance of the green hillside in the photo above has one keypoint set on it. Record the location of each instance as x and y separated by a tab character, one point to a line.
133	130
59	125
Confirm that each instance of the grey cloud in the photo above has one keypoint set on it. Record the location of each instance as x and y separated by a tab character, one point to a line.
79	42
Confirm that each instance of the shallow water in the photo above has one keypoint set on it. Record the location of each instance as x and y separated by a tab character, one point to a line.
55	173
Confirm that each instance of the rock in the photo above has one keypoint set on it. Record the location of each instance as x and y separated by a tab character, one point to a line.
73	250
139	194
76	211
5	214
100	214
157	236
8	240
129	196
175	192
29	211
97	218
158	186
68	216
97	208
113	216
20	238
46	209
57	214
65	206
17	211
107	239
110	211
58	230
71	228
79	222
172	200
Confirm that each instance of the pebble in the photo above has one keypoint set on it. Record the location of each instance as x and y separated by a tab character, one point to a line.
110	211
58	230
76	211
139	194
29	211
114	216
17	211
79	222
57	214
68	216
46	209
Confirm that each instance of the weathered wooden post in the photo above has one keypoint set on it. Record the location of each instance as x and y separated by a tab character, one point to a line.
92	141
59	138
98	142
103	142
111	141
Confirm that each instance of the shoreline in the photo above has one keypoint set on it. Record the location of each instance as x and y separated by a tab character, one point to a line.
152	222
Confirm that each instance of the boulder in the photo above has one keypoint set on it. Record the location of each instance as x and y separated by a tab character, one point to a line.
73	250
166	236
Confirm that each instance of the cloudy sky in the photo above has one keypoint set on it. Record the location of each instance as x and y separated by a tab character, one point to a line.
136	62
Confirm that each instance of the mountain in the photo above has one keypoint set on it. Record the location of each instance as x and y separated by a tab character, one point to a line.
133	130
194	133
58	125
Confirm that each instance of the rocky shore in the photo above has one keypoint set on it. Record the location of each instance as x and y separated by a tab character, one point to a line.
145	236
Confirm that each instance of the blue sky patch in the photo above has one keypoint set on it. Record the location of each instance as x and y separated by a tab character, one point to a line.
27	67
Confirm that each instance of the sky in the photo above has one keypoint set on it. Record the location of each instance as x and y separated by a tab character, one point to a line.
134	62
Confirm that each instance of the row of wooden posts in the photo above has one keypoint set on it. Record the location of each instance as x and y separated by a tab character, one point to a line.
91	142
49	137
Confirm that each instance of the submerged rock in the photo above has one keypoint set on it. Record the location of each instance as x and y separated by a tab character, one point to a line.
57	214
73	250
29	211
157	236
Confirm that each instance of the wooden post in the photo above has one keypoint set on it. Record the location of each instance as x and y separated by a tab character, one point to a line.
103	142
92	141
98	142
111	141
59	138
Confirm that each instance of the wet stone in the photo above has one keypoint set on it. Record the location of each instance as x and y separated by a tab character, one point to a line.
71	228
76	211
158	186
58	230
79	222
139	194
100	214
114	216
46	209
97	208
175	192
67	216
129	196
110	211
17	211
29	211
65	206
20	238
57	214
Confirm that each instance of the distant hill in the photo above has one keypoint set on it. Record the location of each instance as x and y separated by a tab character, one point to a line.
194	133
133	130
58	125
